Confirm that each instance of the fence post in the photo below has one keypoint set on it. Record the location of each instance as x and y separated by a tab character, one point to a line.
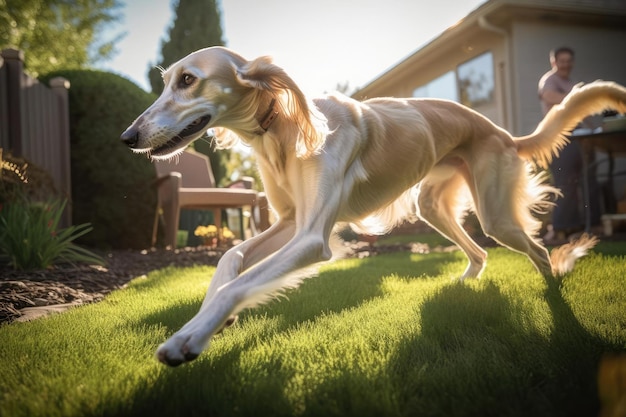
14	62
60	87
4	115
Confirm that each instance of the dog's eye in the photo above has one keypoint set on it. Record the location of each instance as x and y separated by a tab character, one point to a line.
186	80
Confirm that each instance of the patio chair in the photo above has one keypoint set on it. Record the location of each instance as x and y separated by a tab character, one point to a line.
187	182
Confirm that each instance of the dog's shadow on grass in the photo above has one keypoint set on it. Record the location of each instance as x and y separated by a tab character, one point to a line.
334	291
220	370
521	370
329	292
534	371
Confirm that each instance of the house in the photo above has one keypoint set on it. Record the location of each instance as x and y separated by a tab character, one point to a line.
493	58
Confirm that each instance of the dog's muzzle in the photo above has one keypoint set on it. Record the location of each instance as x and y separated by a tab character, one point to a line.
130	137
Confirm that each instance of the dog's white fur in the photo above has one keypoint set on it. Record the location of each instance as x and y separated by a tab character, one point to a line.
371	163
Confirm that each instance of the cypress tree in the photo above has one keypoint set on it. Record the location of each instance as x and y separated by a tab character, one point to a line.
197	25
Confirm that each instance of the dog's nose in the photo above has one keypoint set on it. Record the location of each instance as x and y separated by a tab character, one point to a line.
130	137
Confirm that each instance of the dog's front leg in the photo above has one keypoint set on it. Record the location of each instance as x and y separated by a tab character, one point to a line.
249	253
232	264
255	285
249	289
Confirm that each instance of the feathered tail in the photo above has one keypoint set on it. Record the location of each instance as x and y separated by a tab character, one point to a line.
584	100
550	137
564	257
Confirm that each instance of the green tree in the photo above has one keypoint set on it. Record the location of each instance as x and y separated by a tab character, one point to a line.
58	34
197	25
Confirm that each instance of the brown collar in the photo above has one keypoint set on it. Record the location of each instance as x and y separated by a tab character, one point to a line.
269	116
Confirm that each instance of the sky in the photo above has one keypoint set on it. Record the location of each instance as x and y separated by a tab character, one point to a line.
321	44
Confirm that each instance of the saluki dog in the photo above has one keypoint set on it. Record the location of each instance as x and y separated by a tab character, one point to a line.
371	164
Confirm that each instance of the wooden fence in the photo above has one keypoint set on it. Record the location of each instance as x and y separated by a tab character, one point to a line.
34	122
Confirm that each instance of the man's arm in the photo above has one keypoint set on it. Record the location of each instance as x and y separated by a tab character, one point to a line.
552	97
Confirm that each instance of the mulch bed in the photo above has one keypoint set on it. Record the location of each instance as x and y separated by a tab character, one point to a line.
82	284
74	283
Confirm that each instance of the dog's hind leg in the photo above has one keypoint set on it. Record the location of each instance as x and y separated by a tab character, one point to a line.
439	204
515	238
504	196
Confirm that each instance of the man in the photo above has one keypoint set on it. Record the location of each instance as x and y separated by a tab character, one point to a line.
556	83
567	168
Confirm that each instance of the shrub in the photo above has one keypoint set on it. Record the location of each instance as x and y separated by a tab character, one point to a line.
30	237
111	186
20	178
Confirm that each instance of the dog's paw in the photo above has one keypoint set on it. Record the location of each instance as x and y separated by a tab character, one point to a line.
178	350
187	344
473	270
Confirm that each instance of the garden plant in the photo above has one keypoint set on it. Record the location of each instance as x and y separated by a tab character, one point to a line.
30	216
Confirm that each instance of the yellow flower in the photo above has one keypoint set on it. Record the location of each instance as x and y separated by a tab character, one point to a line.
227	234
206	231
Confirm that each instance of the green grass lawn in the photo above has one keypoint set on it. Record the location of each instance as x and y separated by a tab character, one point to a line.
390	335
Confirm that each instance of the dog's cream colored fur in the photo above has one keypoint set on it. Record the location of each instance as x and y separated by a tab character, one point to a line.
372	164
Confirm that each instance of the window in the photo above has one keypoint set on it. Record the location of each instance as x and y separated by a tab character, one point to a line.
472	83
442	87
476	81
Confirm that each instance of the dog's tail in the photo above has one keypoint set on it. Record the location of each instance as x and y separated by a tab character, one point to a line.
564	257
584	100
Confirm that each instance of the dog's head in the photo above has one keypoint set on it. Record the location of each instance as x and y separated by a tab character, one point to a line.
217	88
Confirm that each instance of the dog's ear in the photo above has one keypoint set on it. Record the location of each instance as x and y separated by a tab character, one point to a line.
262	74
